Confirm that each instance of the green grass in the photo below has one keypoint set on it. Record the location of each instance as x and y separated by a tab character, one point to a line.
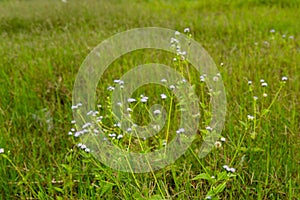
42	46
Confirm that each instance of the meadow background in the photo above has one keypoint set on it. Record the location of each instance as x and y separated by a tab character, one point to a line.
43	44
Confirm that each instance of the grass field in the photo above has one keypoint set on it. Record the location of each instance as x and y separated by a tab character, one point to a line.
42	46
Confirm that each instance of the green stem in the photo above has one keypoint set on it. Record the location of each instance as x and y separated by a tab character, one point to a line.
20	173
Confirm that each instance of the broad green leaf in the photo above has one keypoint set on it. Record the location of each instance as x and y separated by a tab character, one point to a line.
222	176
58	189
217	189
203	176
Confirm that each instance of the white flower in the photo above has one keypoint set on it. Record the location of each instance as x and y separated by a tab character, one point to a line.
284	36
112	135
272	31
182	53
110	88
129	129
96	131
174	41
130	100
215	78
74	107
120	82
117	124
77	134
72	129
99	118
202	78
291	37
177	33
209	128
163	96
186	30
73	122
119	104
79	144
250	117
174	59
84	131
144	99
129	109
225	167
172	87
1	150
262	80
265	94
284	78
79	105
231	169
223	139
163	80
95	113
87	150
120	136
181	130
90	112
255	98
156	112
156	127
264	84
86	125
221	64
249	82
83	146
218	144
70	133
164	143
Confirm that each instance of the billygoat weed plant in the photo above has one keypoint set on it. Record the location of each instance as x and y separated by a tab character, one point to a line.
45	154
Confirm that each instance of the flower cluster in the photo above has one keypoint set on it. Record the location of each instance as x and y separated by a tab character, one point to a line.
229	169
175	44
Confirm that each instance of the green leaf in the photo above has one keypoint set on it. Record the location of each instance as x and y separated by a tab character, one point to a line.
217	189
265	111
67	167
58	189
243	149
203	176
231	175
105	187
222	176
253	135
257	149
243	123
